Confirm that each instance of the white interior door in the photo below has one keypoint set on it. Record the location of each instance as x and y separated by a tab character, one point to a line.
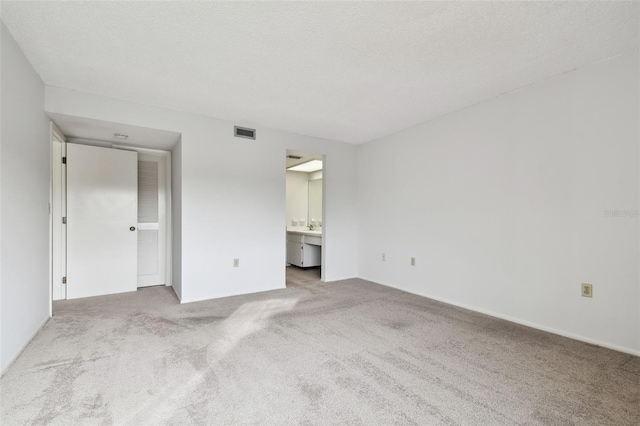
102	204
152	219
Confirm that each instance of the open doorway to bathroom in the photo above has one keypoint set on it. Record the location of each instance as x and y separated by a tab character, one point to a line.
305	221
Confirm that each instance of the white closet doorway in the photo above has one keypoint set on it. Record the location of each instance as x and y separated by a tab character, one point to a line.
87	260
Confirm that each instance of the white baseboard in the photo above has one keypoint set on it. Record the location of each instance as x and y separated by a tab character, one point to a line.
15	357
518	321
222	296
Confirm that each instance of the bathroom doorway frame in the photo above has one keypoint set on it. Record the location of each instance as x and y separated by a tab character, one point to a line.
324	210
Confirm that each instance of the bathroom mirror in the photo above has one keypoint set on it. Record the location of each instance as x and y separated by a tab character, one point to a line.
315	202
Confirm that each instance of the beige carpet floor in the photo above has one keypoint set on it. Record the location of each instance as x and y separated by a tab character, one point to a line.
349	352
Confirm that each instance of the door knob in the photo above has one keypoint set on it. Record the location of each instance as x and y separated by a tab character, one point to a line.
133	228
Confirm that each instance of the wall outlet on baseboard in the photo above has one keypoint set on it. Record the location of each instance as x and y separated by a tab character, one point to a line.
236	263
587	290
413	261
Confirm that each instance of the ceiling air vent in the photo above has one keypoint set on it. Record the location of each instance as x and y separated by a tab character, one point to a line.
243	132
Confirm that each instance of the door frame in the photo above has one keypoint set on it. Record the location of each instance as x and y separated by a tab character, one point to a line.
323	158
168	202
57	252
58	210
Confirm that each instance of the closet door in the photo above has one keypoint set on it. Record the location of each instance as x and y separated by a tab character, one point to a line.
102	204
152	220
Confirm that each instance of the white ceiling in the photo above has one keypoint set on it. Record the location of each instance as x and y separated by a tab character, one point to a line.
350	71
104	131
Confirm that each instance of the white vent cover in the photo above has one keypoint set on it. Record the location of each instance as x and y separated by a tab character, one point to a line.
244	132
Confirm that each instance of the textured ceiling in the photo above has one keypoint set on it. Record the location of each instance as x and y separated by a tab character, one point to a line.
352	71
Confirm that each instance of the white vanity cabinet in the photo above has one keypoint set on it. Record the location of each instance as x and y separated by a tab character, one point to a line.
304	249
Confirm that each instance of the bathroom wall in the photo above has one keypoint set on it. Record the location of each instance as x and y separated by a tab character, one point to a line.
297	199
315	175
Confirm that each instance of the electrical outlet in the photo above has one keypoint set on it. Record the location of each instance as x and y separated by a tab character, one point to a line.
384	257
236	263
413	261
587	290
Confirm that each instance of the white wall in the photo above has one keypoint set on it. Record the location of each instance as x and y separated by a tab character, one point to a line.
24	219
315	175
503	205
233	196
297	198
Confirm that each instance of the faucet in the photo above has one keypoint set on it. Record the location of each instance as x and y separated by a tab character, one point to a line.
310	226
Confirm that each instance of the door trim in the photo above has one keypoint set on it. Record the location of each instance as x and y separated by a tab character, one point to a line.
58	211
58	251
